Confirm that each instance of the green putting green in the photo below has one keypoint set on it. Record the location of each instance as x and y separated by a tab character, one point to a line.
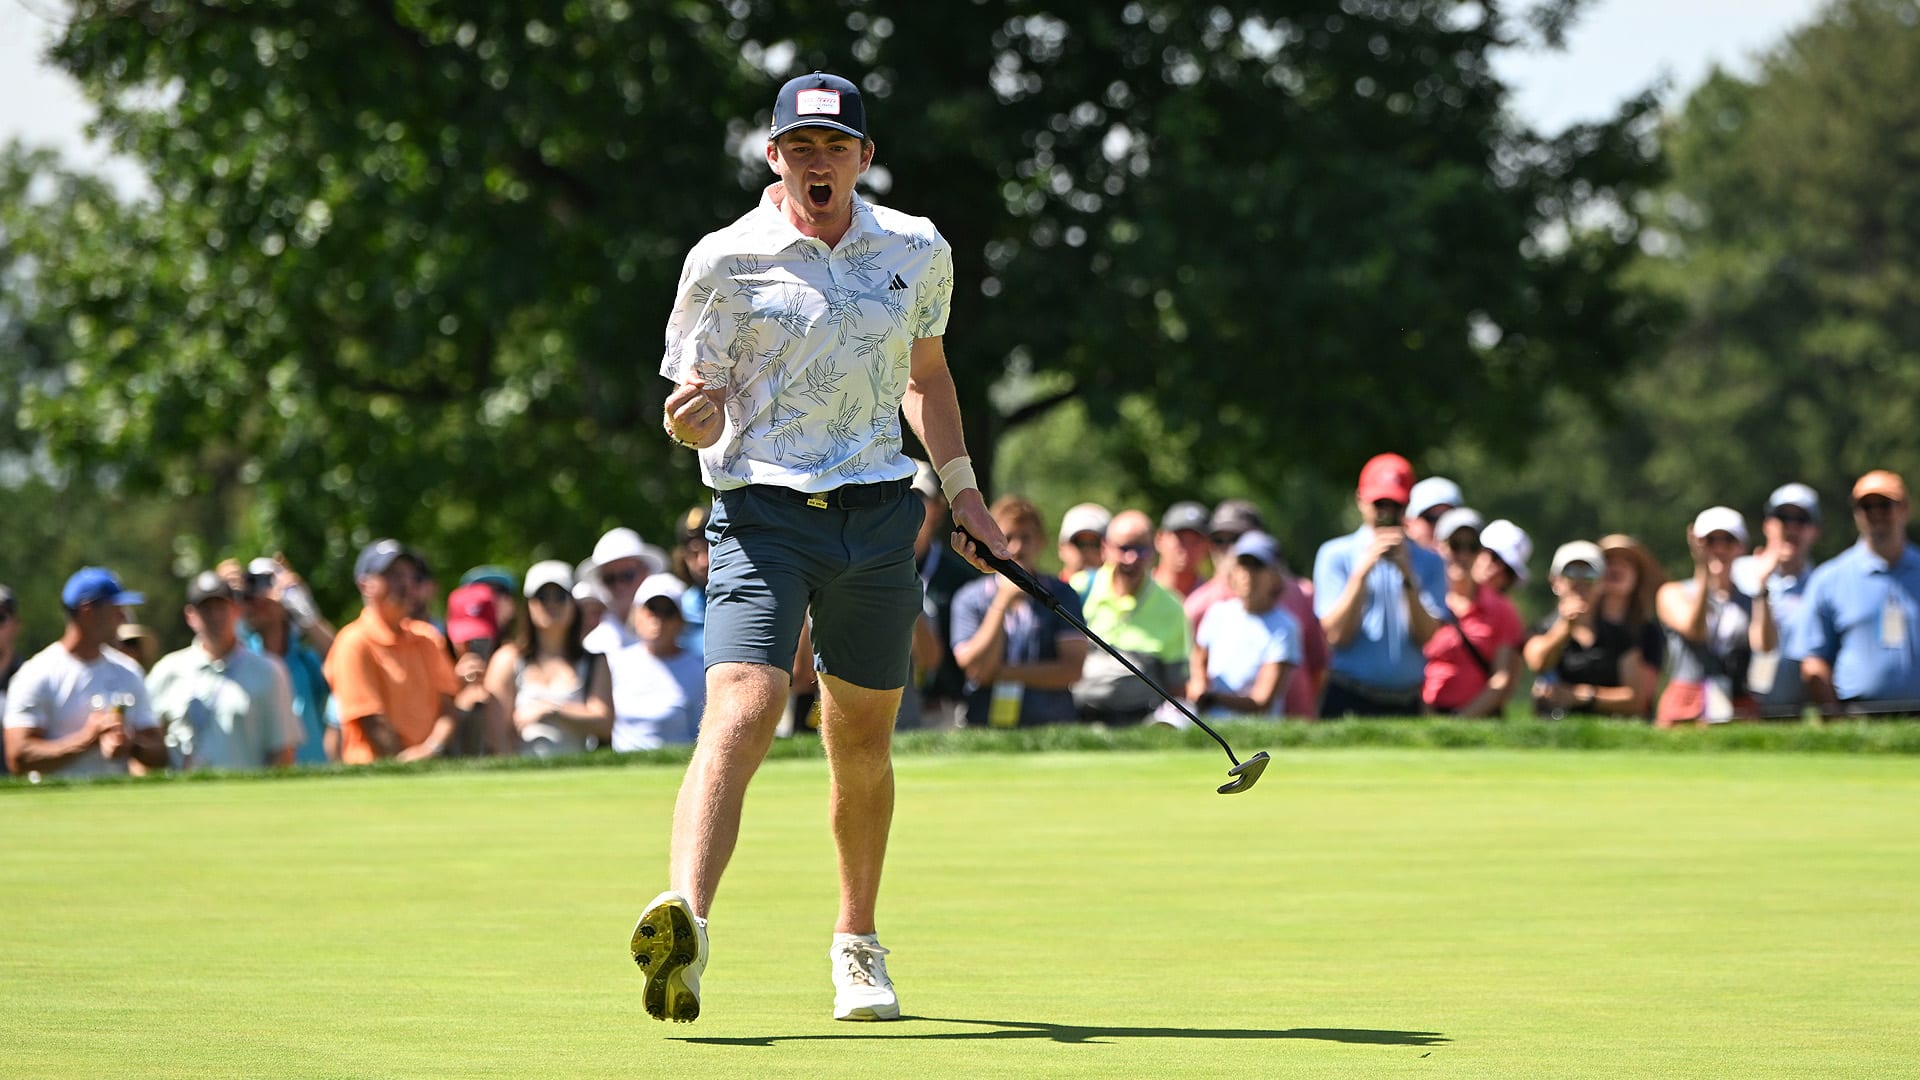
1362	913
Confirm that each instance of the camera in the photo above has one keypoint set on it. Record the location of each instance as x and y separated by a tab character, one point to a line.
1387	514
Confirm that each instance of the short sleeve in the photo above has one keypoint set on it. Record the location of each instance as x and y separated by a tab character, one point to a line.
970	609
27	705
935	295
1330	572
1283	645
439	668
694	345
352	673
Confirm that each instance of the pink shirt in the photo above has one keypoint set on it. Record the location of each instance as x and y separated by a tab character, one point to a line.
1303	690
1453	677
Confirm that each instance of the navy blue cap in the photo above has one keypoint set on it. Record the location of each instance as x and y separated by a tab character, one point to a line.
819	100
96	585
376	557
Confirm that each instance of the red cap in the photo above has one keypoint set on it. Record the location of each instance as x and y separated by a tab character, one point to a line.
1386	476
471	614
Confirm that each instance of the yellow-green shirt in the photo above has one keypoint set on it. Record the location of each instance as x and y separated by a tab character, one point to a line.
1151	621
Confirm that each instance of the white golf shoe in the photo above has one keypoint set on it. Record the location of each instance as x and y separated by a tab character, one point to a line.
670	945
861	989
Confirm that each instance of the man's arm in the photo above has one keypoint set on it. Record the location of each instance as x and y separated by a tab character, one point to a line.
30	749
436	740
1422	623
380	735
1056	674
1341	620
932	407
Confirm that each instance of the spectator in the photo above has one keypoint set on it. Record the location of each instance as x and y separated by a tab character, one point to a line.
1181	549
77	707
1138	616
10	659
590	595
1429	500
1376	596
1505	550
1231	520
1713	628
1585	663
392	680
473	631
1083	539
506	596
1470	660
935	695
620	561
690	561
1248	646
1629	585
1021	660
659	686
424	597
222	705
1791	528
274	631
1855	638
275	577
137	643
552	695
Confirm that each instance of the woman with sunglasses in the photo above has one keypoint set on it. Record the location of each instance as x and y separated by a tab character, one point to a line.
1585	661
1714	628
554	693
1470	657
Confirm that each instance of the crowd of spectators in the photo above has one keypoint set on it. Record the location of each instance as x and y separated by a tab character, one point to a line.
1409	614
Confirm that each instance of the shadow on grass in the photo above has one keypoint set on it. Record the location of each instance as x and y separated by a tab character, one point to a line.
1073	1033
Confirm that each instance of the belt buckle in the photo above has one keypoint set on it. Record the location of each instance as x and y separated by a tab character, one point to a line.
817	500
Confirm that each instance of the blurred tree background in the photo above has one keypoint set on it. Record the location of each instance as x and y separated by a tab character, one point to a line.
404	266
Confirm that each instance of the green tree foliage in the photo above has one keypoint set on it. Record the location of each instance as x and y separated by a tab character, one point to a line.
1790	233
406	264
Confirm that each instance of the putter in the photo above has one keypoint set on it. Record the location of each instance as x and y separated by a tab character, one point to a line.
1245	773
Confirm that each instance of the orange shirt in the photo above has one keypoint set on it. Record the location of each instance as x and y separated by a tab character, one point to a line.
376	671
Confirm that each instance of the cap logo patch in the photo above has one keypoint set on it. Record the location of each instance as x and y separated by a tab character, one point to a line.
816	103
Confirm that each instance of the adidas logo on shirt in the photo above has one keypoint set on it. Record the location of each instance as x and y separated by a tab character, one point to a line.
897	284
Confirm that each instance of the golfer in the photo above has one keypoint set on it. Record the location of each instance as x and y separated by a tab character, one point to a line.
798	335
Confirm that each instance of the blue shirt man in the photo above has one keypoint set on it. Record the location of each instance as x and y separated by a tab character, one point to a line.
1376	594
1854	635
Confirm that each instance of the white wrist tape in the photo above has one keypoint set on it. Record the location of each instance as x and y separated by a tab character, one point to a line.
957	476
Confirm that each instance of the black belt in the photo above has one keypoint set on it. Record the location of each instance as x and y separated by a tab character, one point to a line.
845	497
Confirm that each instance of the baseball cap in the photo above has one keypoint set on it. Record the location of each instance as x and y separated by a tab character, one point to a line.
926	479
586	584
1184	515
819	100
548	572
693	523
1085	517
471	613
1257	546
1880	482
1578	551
497	576
1431	492
97	585
1510	544
1460	517
658	586
1386	476
624	543
1233	517
207	585
376	557
1720	519
1798	495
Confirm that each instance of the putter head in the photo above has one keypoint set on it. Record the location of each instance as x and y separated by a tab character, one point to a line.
1245	775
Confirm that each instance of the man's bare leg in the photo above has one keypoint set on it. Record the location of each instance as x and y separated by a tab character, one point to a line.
856	726
743	708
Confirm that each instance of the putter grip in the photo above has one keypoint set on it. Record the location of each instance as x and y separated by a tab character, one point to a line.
1013	572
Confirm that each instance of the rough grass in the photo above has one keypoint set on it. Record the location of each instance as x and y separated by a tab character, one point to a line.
1363	912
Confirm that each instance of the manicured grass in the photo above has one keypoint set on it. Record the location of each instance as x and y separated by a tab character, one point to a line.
1362	913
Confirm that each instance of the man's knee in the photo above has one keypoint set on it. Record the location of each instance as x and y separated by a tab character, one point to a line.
743	696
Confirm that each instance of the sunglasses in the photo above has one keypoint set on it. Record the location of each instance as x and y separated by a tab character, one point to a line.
621	577
551	596
1087	543
1134	549
1874	503
1793	517
1580	572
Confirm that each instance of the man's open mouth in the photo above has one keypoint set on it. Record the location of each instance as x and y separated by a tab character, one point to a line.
819	194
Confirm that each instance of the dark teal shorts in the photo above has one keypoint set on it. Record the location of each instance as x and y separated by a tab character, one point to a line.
774	559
